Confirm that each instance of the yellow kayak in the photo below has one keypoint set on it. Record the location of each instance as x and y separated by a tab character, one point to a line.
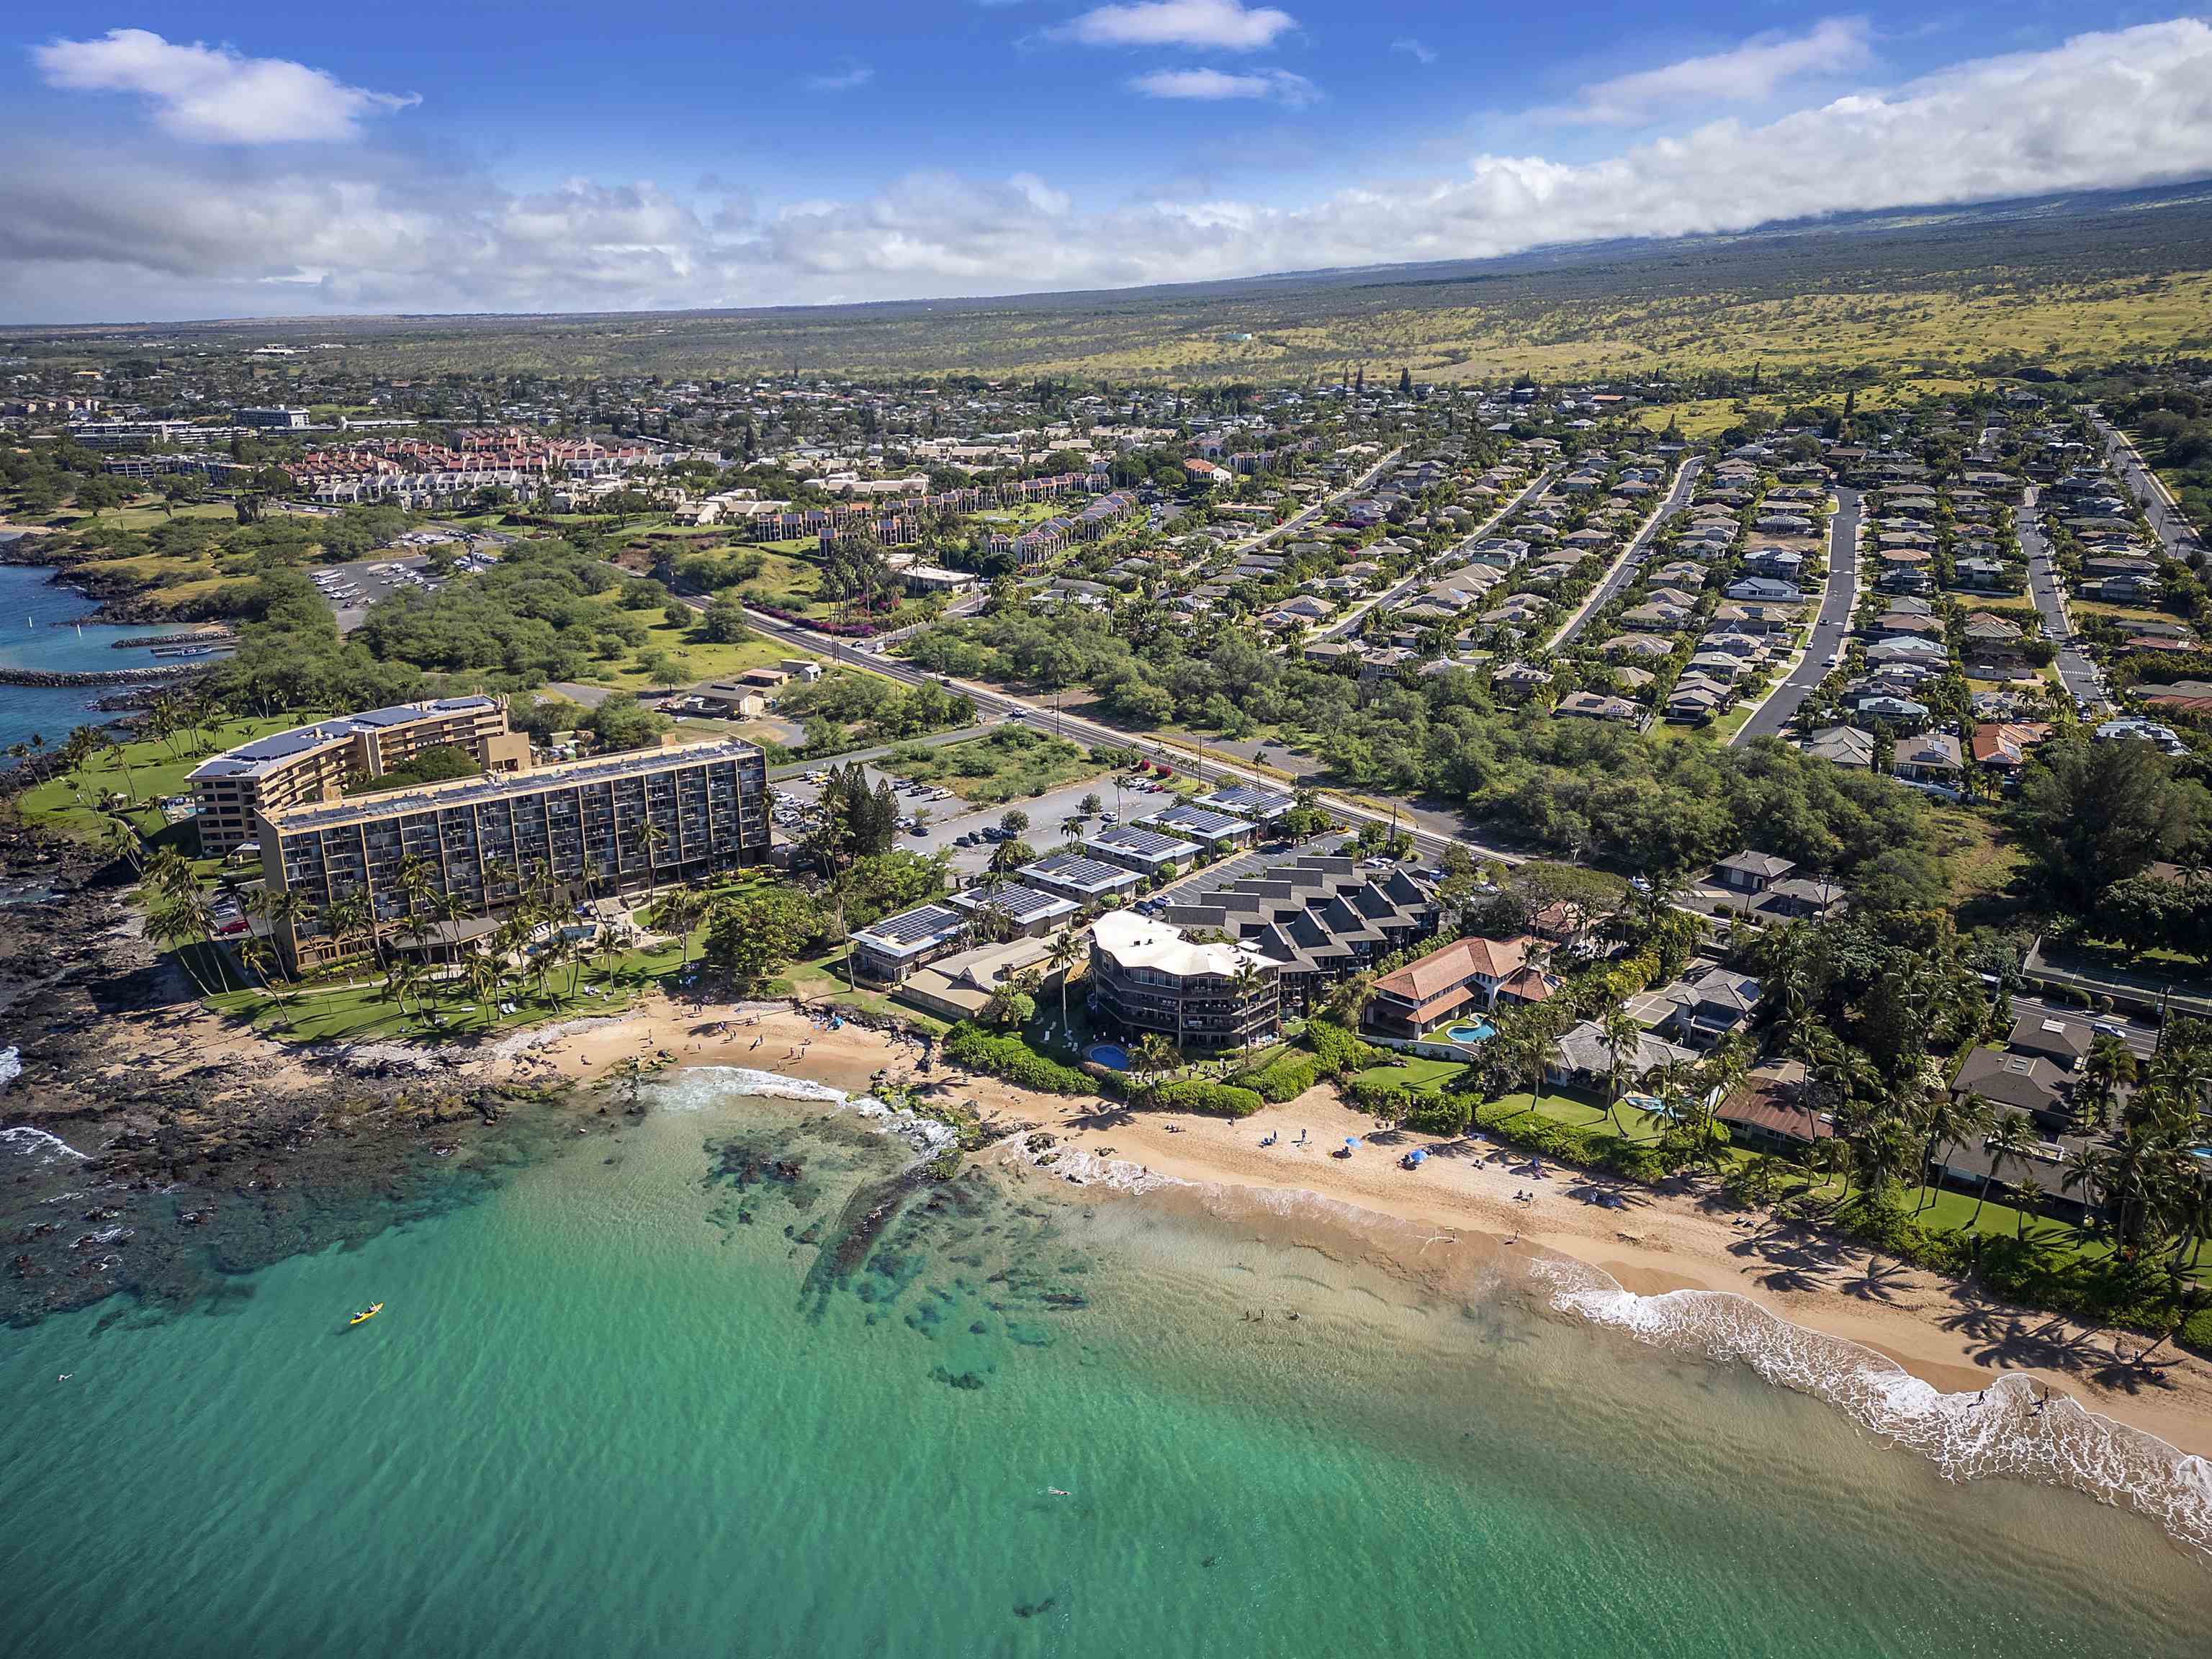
369	1312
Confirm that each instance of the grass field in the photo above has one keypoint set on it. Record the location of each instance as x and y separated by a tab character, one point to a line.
145	767
357	1012
700	659
1012	763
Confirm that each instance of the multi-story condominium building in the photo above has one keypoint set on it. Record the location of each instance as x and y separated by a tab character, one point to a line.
311	763
611	822
1148	976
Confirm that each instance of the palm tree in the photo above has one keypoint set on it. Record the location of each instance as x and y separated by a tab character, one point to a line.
177	924
122	840
2083	1171
1948	1120
1623	1037
482	975
2011	1142
1153	1055
1066	951
2110	1066
1247	981
1347	1004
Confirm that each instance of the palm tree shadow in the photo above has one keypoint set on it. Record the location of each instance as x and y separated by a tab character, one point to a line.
1878	1281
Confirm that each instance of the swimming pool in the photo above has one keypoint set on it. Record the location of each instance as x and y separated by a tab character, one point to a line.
1111	1055
1480	1030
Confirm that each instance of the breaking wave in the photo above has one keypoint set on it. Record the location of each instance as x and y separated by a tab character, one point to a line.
2009	1429
37	1143
699	1087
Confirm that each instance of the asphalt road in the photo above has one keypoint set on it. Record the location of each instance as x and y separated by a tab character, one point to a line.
1830	625
2172	529
2075	672
1631	556
1349	620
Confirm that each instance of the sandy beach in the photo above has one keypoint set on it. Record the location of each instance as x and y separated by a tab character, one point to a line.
1659	1242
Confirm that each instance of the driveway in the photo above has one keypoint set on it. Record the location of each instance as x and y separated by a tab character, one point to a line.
1830	626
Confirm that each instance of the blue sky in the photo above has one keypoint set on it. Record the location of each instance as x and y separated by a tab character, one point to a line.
211	159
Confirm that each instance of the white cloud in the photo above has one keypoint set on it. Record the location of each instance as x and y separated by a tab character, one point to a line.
212	92
1214	85
1414	49
1750	74
91	231
853	75
1221	25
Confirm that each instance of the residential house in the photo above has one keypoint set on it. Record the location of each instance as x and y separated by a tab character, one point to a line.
1750	872
1932	757
1843	745
1466	976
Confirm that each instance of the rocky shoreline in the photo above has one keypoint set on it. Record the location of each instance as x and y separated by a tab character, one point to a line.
148	1151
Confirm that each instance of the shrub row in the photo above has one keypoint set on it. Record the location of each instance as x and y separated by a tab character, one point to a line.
1198	1095
1532	1131
1012	1059
1337	1053
1282	1076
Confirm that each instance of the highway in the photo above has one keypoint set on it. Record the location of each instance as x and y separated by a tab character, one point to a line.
1624	567
2075	672
994	704
1830	626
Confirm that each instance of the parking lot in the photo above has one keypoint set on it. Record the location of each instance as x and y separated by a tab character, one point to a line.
351	589
949	818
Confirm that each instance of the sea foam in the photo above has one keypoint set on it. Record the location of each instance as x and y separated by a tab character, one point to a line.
698	1087
2012	1428
37	1143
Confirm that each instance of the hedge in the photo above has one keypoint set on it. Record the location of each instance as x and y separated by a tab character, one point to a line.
1379	1096
1012	1059
1282	1076
1336	1051
1533	1132
1441	1114
1197	1094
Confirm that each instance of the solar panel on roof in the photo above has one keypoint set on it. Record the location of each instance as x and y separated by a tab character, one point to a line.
915	924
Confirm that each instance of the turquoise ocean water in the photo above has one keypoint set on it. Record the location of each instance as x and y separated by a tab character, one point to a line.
665	1392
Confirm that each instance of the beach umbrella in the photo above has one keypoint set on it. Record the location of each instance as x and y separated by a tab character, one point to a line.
1352	1140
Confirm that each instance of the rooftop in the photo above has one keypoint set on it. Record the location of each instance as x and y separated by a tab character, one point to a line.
430	796
1132	941
264	755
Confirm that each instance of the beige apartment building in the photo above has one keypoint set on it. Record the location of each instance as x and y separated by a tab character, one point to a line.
311	763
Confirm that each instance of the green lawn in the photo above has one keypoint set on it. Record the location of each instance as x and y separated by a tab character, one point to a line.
355	1013
148	767
1011	763
700	659
1417	1074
